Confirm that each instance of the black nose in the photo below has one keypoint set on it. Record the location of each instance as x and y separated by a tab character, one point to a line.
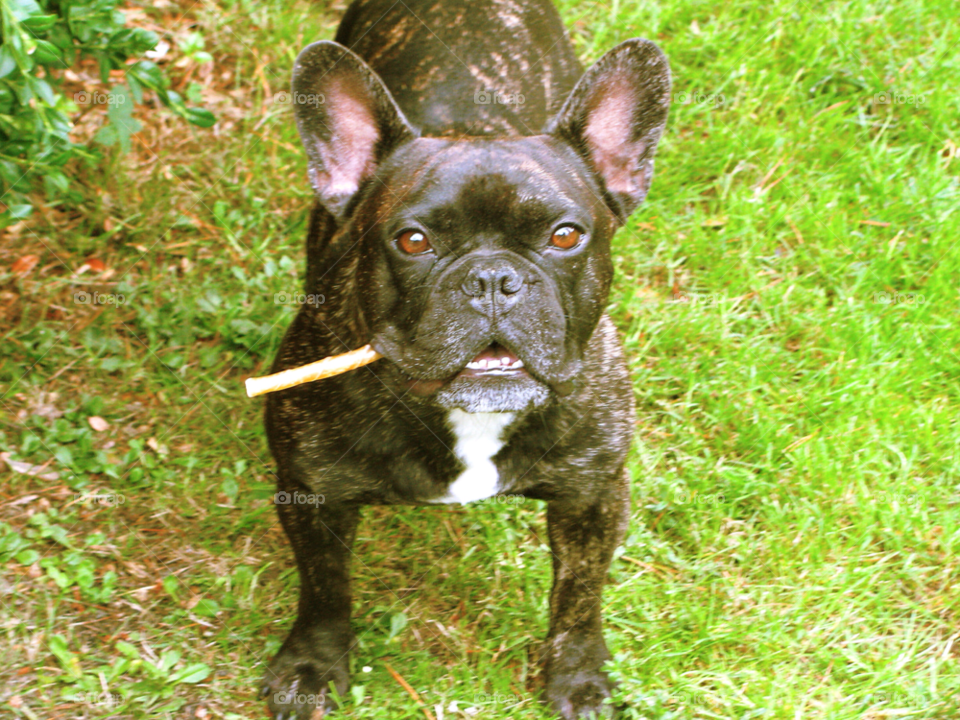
493	281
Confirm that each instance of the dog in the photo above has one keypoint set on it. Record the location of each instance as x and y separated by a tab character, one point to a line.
469	177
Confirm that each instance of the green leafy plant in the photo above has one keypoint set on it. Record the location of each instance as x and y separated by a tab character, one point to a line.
156	679
41	40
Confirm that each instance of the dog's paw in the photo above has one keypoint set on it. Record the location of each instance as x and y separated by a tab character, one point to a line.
576	687
297	683
578	695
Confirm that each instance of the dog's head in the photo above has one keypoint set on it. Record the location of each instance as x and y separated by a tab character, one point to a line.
484	264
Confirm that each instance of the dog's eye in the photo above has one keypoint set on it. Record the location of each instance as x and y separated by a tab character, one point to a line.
413	242
565	237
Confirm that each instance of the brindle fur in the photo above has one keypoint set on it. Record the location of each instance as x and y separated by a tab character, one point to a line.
364	437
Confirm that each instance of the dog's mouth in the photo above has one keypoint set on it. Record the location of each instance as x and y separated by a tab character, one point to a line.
494	360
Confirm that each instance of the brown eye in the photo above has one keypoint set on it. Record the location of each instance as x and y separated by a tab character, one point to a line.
413	242
565	237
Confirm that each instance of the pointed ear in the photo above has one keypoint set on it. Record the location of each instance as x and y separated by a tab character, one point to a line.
614	118
347	119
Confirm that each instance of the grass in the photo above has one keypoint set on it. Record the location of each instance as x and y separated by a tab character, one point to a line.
788	301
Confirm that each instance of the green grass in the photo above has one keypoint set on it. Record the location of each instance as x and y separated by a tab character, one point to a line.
794	544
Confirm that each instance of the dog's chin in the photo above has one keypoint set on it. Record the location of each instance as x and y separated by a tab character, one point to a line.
508	392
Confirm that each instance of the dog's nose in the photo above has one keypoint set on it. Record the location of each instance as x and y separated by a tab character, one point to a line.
497	282
501	278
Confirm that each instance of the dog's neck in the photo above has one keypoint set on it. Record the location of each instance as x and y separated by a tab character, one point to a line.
332	261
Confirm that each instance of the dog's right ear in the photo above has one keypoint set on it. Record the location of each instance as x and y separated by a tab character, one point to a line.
614	118
347	119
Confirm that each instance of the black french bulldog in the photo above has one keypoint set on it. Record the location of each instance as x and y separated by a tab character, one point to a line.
469	178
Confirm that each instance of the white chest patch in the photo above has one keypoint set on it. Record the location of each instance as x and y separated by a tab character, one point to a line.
477	441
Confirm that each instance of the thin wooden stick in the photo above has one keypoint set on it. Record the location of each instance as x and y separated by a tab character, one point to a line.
328	367
410	691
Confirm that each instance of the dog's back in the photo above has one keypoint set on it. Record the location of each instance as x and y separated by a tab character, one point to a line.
480	68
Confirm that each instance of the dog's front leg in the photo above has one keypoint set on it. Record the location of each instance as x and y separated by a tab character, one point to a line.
583	535
315	655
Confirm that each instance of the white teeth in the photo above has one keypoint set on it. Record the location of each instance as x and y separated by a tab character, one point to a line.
503	363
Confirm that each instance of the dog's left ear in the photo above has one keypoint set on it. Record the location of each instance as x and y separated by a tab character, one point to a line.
348	122
614	118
